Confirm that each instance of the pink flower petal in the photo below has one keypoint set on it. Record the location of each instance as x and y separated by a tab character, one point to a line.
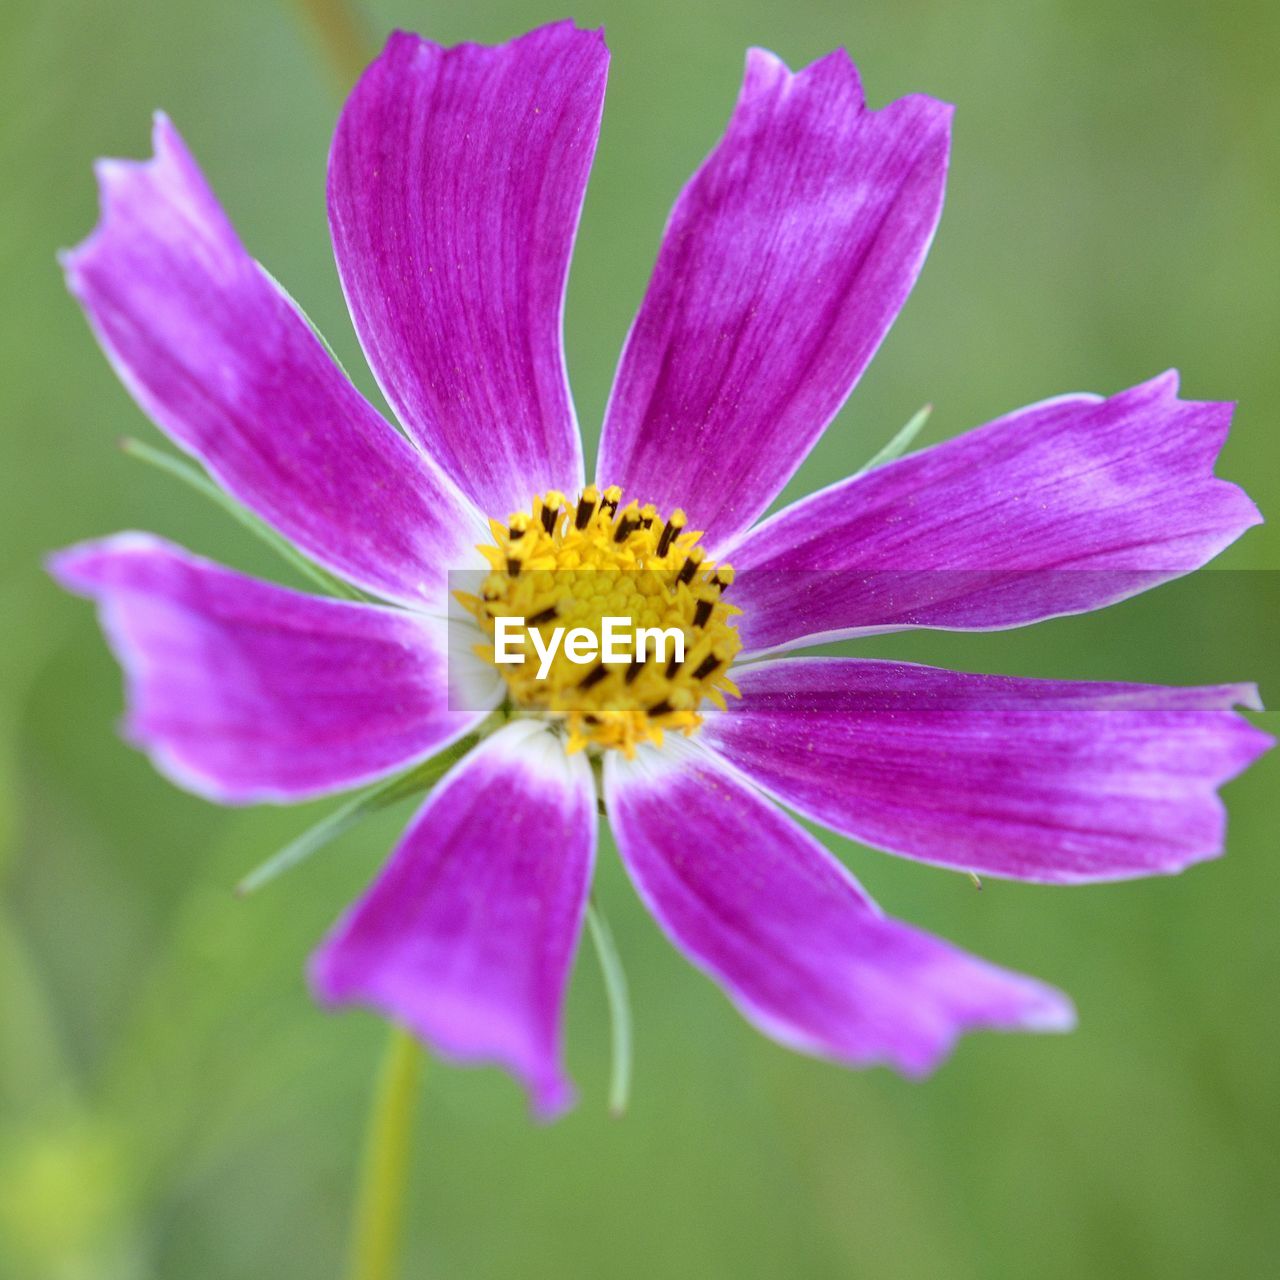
785	261
467	935
1057	781
243	692
224	363
455	184
1063	507
759	905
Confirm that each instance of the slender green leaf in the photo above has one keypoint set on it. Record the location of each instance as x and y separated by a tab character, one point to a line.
354	811
615	987
900	442
189	475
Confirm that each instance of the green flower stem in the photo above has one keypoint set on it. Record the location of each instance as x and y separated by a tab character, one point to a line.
615	987
343	34
379	1206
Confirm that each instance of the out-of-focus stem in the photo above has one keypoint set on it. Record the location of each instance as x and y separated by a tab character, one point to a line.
379	1208
343	34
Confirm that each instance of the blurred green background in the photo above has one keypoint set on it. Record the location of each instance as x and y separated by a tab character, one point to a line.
174	1105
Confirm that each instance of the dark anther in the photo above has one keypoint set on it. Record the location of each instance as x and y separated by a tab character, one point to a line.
539	618
702	613
513	566
594	676
515	532
706	666
636	667
660	708
549	515
610	504
668	537
674	665
687	570
585	510
624	529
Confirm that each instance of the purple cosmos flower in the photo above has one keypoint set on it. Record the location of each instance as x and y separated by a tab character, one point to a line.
455	184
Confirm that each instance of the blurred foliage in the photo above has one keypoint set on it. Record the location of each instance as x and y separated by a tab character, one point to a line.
172	1103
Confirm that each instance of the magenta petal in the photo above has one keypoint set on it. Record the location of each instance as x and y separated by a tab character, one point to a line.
455	184
217	355
758	904
242	691
1056	781
1065	506
467	935
783	264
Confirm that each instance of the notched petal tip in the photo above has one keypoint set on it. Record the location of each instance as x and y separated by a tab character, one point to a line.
84	567
65	568
1047	1010
763	67
570	27
1210	418
116	178
973	995
1254	743
836	73
833	72
1248	696
411	43
550	1099
165	138
991	998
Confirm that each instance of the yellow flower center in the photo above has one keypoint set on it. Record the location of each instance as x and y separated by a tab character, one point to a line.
587	608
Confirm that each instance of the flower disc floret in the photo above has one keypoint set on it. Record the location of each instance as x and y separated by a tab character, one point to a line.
564	565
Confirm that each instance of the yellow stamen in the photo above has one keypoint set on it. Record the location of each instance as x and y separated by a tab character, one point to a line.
573	562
